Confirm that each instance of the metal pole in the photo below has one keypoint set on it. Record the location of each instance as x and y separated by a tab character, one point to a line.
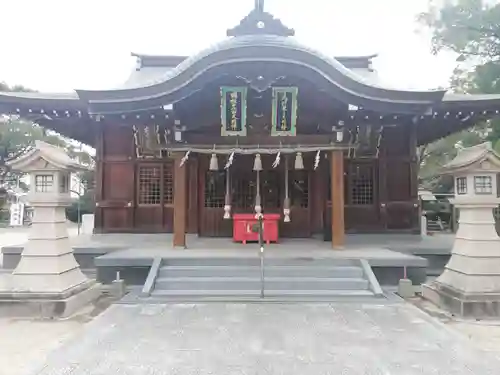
261	254
78	210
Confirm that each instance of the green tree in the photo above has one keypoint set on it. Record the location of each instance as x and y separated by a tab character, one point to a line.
17	135
471	29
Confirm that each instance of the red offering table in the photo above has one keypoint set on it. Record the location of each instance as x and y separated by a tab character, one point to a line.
243	225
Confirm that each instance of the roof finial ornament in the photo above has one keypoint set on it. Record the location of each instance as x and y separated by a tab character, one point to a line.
259	22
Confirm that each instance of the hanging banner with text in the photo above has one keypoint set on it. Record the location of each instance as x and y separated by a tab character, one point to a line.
284	119
233	111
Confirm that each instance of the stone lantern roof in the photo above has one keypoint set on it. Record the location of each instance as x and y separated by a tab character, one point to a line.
481	157
52	155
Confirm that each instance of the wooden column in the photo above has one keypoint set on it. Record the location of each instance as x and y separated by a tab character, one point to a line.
337	186
99	178
180	202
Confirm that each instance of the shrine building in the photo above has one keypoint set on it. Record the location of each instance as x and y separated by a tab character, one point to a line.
256	123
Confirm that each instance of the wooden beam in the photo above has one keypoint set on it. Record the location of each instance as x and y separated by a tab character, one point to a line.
180	202
337	186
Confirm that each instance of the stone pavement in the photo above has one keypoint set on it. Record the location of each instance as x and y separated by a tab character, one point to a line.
350	338
25	344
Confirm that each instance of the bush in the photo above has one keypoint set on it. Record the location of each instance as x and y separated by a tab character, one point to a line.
72	212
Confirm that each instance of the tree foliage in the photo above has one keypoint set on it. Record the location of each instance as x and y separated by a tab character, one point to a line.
471	29
17	135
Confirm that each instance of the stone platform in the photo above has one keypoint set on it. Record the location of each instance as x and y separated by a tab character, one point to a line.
133	254
467	305
46	305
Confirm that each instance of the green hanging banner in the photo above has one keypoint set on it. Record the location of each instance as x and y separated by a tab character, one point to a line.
233	111
284	119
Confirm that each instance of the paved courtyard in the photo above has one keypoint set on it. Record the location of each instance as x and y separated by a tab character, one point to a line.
290	339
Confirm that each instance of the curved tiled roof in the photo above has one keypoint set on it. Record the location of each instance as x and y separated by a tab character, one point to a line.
266	49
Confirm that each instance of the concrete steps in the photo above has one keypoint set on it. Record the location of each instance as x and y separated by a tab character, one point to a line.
253	271
253	283
285	278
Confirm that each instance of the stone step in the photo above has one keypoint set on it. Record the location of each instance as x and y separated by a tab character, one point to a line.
249	283
255	261
254	271
255	293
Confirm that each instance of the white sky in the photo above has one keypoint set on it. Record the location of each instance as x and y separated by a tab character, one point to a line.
60	45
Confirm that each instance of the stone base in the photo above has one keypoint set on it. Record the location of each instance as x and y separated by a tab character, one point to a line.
485	305
42	305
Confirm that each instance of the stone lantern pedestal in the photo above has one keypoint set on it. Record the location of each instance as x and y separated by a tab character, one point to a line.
470	283
48	281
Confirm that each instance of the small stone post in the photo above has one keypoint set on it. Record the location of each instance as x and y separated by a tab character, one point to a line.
470	283
48	278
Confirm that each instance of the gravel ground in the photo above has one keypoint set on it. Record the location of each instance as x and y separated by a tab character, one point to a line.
25	345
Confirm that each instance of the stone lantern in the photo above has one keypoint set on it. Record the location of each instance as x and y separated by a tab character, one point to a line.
48	273
470	283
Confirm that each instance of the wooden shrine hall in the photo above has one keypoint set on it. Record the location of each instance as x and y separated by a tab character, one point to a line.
257	123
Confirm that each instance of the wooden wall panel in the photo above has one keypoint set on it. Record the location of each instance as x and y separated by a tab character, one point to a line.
319	196
118	141
168	220
116	196
148	219
398	180
118	182
116	219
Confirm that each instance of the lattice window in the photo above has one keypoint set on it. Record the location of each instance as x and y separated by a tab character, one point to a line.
483	185
243	189
299	188
168	183
362	184
215	189
149	185
270	188
44	183
461	185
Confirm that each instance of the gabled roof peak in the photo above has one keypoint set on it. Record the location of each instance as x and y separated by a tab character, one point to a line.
259	22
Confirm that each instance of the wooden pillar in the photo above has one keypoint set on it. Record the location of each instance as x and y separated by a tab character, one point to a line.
337	187
99	178
180	202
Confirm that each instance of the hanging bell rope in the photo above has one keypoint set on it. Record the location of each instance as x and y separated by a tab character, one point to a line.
227	198
257	167
258	203
214	164
165	135
286	202
136	140
158	136
299	161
